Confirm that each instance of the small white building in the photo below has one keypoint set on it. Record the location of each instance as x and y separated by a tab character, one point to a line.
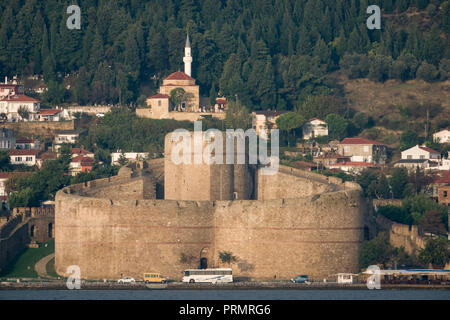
65	136
315	128
264	121
7	140
11	104
24	157
130	156
4	176
50	115
442	136
352	166
421	152
27	144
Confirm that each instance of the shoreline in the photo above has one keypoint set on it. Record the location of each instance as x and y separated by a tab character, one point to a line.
92	285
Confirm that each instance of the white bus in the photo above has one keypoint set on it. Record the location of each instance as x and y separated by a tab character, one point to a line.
208	275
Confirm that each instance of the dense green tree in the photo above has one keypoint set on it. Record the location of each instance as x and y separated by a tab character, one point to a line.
436	253
399	183
376	251
337	126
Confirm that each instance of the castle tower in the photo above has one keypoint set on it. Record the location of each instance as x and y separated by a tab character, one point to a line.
187	57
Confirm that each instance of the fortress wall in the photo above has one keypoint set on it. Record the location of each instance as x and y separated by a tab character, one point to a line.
286	185
285	237
319	235
110	238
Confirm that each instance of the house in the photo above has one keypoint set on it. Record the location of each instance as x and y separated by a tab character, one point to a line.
421	152
27	144
27	157
4	176
130	156
363	150
444	195
65	136
307	166
80	164
45	156
50	115
81	152
413	164
263	121
352	167
221	104
442	136
11	104
328	159
10	89
442	179
7	140
315	128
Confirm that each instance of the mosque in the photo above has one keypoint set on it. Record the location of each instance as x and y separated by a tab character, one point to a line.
180	83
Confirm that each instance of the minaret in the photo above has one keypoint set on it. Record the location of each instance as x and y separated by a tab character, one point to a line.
187	57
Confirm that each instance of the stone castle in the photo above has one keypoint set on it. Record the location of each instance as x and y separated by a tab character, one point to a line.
161	217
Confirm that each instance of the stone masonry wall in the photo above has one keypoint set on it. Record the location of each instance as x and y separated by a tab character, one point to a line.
272	238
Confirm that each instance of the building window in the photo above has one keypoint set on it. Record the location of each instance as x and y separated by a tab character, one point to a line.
18	159
159	103
422	157
445	194
409	157
366	148
29	159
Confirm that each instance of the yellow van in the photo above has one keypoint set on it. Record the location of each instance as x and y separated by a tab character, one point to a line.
154	278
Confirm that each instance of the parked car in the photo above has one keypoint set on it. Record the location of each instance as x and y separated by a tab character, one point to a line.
126	280
301	279
100	115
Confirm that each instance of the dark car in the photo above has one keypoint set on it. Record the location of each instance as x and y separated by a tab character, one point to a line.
300	279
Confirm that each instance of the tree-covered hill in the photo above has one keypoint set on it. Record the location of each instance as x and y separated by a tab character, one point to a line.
273	54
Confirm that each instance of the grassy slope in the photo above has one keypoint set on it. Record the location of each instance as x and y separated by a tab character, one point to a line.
23	265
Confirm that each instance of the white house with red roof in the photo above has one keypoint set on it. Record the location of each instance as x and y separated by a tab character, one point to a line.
12	103
420	153
80	164
27	157
50	115
26	143
442	136
82	152
363	150
315	128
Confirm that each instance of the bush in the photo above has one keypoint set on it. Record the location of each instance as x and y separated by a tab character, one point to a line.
380	66
427	72
355	65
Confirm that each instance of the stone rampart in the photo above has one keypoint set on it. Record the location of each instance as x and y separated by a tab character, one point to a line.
314	227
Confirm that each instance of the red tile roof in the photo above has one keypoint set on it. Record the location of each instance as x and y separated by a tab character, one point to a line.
5	175
160	96
25	140
48	156
221	101
429	150
19	98
24	152
82	158
80	151
444	178
360	141
48	112
179	76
